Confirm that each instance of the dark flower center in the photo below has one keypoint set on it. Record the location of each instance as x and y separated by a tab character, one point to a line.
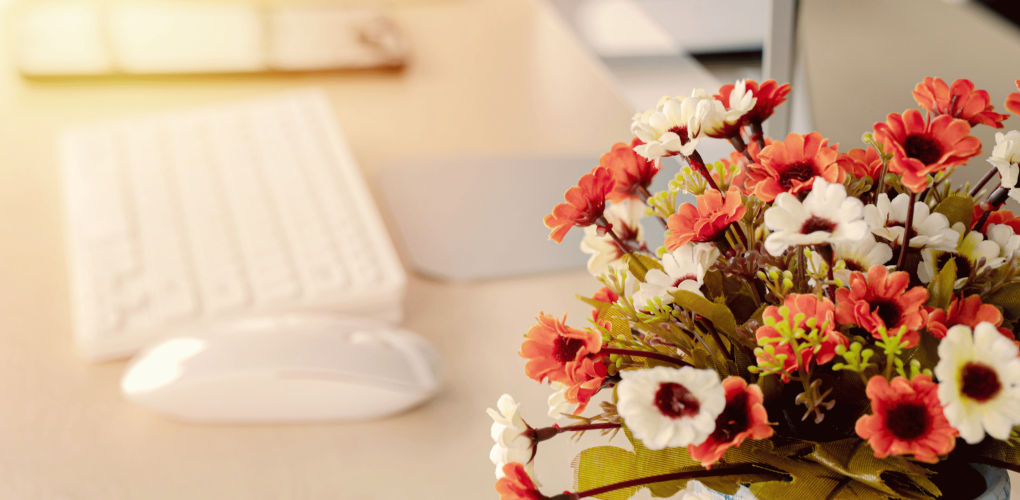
852	265
897	223
733	420
908	421
979	382
888	311
683	279
675	401
682	132
815	223
565	348
962	264
923	148
801	171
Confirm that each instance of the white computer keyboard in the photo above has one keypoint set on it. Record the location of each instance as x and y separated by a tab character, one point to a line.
250	208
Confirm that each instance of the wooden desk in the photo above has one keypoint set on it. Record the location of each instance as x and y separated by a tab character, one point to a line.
488	76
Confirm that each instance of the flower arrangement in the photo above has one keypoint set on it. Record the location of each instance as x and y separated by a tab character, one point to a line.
819	323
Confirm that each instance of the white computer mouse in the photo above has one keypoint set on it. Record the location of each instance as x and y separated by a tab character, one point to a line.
280	369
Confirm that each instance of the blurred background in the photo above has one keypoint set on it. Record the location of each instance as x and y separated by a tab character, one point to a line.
479	80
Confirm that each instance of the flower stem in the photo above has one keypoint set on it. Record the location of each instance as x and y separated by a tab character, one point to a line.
758	134
547	433
827	253
695	161
715	336
996	199
718	472
908	230
984	180
645	354
738	144
620	243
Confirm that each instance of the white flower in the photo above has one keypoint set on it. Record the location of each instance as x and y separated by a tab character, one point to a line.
669	407
558	404
826	216
684	269
979	382
1005	158
887	219
741	101
626	220
510	434
967	255
674	127
1003	236
856	256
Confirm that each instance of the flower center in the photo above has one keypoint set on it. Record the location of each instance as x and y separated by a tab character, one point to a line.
801	171
565	348
733	420
685	137
853	265
675	401
888	311
908	421
923	148
899	223
682	279
962	264
816	223
979	382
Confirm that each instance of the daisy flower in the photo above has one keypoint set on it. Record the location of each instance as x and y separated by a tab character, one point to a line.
979	382
558	404
862	163
968	311
707	221
906	420
792	165
684	269
798	312
887	220
882	300
959	101
743	417
1005	236
827	215
512	436
559	352
728	115
857	256
516	484
674	127
625	219
768	96
584	205
921	148
1005	157
631	171
971	250
668	407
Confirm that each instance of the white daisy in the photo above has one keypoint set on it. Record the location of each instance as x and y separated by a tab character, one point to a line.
857	256
626	220
967	255
669	407
741	101
511	436
684	269
1005	158
931	230
558	404
827	215
674	127
1003	236
979	382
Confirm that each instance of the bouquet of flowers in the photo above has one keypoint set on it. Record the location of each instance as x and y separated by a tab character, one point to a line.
819	324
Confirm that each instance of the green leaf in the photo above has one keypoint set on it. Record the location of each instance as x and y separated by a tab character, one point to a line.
638	265
940	290
620	323
854	458
1008	298
957	209
718	314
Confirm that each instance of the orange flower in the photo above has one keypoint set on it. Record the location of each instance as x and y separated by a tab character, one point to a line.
603	295
516	485
1004	217
770	95
792	165
743	417
584	205
968	311
921	148
631	171
708	221
862	163
1013	101
882	299
560	353
959	101
907	419
811	306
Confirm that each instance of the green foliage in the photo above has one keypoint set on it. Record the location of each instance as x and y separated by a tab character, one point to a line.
856	358
720	315
940	290
1008	298
957	209
638	265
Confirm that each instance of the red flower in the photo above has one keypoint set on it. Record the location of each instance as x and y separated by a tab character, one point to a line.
603	295
792	165
586	383
585	204
882	300
743	417
920	148
770	95
907	419
862	163
968	311
822	310
708	221
1005	217
631	171
560	353
517	485
1013	101
959	101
